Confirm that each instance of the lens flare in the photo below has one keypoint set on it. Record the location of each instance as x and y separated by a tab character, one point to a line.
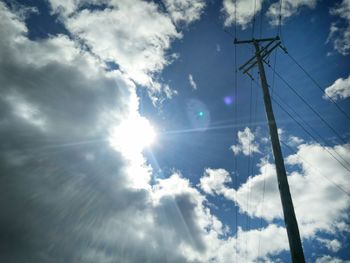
228	100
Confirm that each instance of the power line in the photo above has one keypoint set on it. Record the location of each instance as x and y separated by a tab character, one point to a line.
313	137
228	32
291	223
249	164
316	83
309	106
253	163
335	184
273	75
249	147
261	23
306	72
310	127
236	122
262	206
290	115
253	27
279	28
279	32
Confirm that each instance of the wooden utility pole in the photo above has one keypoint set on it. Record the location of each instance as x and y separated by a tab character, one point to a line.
290	220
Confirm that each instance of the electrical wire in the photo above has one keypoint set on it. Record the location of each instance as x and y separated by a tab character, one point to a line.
249	165
316	84
261	23
300	125
253	26
279	32
279	28
277	103
236	125
253	162
262	206
291	116
310	127
319	172
306	103
249	147
273	75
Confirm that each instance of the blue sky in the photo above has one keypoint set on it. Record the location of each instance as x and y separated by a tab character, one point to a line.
130	137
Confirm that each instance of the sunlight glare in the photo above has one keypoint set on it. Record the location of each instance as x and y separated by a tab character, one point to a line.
132	136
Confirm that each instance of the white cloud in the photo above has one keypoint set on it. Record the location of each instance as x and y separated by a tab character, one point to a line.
137	41
294	141
340	33
288	9
26	111
65	180
22	11
184	11
244	13
246	143
340	89
272	238
247	9
330	259
213	182
320	206
66	7
192	82
332	244
316	163
68	183
169	92
245	247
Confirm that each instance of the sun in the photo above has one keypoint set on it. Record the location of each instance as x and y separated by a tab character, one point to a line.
132	136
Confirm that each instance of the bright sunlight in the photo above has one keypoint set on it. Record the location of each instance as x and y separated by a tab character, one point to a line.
132	136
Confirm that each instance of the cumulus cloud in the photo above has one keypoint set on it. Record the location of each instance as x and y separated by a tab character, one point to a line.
340	89
320	208
68	194
294	141
254	245
137	42
184	11
24	110
206	236
330	259
340	31
57	107
245	11
332	244
246	143
287	9
192	82
214	182
316	163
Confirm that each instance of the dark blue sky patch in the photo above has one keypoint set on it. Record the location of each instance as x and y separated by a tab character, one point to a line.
41	24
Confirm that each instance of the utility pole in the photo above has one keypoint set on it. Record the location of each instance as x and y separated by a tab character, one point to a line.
290	220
